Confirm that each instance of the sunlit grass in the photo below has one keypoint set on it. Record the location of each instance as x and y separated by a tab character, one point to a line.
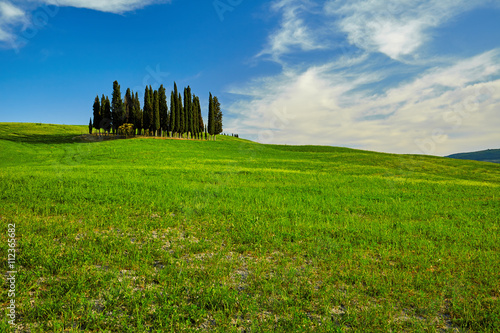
147	235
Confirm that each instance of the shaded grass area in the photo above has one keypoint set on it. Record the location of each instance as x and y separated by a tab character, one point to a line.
40	133
229	236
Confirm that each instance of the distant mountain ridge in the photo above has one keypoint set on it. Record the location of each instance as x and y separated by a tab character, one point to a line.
490	155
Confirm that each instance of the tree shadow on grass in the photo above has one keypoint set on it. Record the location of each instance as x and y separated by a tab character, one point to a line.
47	139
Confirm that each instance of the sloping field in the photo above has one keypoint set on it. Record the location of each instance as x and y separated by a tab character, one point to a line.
145	235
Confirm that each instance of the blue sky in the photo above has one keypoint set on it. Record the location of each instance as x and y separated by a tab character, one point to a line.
394	76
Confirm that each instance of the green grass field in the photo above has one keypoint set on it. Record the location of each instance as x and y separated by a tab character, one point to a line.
149	235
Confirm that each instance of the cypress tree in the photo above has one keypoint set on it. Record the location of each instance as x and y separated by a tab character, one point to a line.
177	113
103	101
201	126
210	115
97	114
190	117
152	102
108	112
90	126
105	114
217	116
186	113
132	109
187	109
191	113
162	97
151	109
181	115
117	110
173	114
104	121
127	105
194	112
156	113
138	114
146	115
198	123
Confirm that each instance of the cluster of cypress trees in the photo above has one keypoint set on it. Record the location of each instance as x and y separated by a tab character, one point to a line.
183	119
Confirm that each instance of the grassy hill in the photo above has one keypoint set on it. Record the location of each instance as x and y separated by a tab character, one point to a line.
150	235
490	155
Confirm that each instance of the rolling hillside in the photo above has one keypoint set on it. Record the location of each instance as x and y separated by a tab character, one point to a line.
152	235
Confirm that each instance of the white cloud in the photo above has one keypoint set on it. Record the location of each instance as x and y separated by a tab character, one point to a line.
444	110
15	19
10	12
111	6
397	28
9	15
293	32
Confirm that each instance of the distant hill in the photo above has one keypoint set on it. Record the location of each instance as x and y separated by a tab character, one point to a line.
490	155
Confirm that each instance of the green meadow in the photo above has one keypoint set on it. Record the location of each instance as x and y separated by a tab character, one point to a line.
152	235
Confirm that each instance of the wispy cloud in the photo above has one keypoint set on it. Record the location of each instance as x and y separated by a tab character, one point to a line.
111	6
397	28
10	15
293	33
14	19
437	113
360	99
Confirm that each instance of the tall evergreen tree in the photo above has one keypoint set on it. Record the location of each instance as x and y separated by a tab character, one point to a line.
201	125
156	113
97	114
190	118
103	102
162	100
181	115
217	116
188	111
138	114
211	120
173	113
146	115
117	110
104	121
127	105
151	109
105	114
178	103
195	116
90	126
132	110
